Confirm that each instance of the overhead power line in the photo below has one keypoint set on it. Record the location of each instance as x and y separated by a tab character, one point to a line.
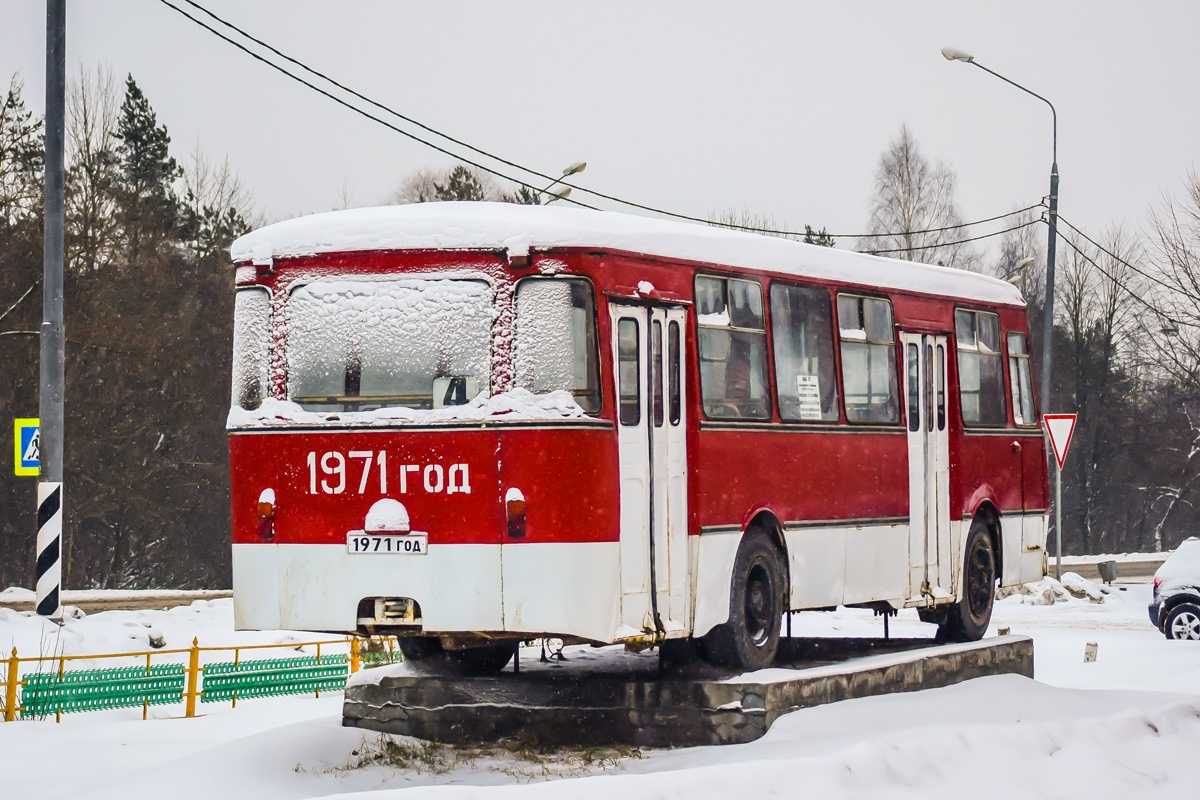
1120	260
493	156
355	108
1121	285
955	242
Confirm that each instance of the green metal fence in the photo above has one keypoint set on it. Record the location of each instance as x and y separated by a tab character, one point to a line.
228	681
44	693
58	690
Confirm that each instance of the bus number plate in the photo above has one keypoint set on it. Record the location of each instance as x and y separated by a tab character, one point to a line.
412	544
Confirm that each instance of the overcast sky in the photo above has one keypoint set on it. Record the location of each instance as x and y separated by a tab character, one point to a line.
694	107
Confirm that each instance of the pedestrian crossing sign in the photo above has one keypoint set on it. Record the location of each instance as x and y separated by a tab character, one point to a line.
25	446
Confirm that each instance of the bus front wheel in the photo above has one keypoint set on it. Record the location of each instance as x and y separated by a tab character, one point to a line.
427	655
967	620
750	638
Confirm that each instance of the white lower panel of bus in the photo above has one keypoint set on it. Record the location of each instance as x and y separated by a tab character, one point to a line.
318	586
565	588
1023	544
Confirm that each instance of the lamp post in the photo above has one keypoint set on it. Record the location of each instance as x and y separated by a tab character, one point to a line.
1048	313
573	169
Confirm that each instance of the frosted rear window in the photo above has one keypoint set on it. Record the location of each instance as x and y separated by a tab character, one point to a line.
556	339
360	345
251	346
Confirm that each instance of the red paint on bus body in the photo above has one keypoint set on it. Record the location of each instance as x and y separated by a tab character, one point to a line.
569	476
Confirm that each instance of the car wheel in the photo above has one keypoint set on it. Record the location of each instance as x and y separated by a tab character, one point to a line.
967	620
427	655
750	639
1183	622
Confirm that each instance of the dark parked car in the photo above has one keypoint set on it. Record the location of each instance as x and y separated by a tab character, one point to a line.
1175	608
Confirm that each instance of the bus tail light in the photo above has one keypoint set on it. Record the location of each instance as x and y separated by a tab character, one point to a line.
514	507
266	515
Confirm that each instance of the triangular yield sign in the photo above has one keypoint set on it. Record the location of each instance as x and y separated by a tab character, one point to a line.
1060	428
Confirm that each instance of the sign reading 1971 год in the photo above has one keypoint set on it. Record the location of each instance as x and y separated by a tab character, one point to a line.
25	446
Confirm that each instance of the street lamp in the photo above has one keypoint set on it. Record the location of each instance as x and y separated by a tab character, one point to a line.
1048	316
1022	269
573	169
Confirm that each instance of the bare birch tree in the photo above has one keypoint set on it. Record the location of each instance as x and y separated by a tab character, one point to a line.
217	206
1176	230
92	230
20	156
912	197
736	218
1101	323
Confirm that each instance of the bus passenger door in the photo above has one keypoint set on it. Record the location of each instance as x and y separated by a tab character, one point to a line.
648	370
931	562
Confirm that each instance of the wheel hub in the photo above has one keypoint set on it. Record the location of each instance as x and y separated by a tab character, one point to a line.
1186	626
758	605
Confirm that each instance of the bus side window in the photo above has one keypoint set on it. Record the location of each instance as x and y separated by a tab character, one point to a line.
630	400
941	387
656	372
980	369
1021	380
914	388
805	369
869	381
732	345
675	390
929	387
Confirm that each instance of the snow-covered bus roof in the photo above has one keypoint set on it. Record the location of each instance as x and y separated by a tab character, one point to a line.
517	228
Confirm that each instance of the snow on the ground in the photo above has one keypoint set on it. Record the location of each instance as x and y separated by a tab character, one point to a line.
1127	725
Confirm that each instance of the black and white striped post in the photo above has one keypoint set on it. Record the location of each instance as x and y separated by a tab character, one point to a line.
50	436
49	549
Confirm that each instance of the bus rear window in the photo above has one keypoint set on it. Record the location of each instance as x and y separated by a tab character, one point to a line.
356	345
251	347
556	339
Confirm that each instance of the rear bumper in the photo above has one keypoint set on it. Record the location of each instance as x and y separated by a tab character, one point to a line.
1155	610
535	588
318	586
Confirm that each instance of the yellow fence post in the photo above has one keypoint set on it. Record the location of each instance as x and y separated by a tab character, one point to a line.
193	684
353	655
10	689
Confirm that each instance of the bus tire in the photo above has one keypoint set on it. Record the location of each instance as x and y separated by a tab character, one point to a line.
967	620
427	655
750	639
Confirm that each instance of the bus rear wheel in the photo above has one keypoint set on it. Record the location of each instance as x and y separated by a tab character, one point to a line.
967	620
750	639
427	655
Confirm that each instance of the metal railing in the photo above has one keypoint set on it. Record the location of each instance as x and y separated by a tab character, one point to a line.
53	689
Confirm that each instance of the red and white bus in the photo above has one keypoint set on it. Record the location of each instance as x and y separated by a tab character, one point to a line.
472	424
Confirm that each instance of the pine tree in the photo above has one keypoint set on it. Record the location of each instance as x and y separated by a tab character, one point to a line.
149	206
821	238
461	184
524	196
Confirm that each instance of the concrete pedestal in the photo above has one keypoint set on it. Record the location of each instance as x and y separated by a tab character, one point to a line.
616	698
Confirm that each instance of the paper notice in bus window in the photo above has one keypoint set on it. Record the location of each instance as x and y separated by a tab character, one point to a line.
808	392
